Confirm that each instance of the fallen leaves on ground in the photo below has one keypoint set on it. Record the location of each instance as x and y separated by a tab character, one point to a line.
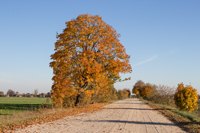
55	116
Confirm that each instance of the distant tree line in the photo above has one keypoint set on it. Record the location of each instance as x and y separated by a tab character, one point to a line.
11	93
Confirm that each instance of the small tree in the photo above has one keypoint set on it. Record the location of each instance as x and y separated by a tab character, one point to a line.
23	95
137	87
125	94
1	94
129	93
10	92
136	91
186	98
35	92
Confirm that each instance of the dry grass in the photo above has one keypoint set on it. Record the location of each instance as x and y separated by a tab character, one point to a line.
187	120
163	95
25	118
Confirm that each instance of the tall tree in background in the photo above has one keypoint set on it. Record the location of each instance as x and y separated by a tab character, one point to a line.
88	57
35	92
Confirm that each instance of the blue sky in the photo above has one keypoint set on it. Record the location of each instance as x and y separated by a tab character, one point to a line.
162	38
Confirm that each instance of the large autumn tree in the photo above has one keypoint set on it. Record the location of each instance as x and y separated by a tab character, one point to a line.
88	58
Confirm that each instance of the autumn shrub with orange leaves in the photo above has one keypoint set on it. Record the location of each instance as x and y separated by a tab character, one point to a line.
123	94
146	90
120	94
136	91
87	61
186	98
114	95
137	88
126	94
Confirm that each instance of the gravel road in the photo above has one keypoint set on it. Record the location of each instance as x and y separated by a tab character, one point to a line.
126	116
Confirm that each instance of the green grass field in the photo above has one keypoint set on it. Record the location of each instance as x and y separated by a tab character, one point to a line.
10	105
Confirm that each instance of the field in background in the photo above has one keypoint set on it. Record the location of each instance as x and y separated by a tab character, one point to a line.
10	105
21	100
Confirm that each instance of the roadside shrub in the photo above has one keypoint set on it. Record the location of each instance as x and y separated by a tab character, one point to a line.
114	95
186	98
137	87
135	90
163	95
125	94
146	90
120	94
103	95
68	101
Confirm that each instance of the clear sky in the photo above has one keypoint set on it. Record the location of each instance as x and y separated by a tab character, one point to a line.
162	38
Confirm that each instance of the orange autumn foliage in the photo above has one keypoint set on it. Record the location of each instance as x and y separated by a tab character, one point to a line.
139	85
115	95
123	94
88	56
135	90
146	90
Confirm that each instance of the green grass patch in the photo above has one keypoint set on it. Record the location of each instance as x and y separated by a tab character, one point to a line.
10	105
22	100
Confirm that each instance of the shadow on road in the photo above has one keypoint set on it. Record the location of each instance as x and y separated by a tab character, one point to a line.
134	108
133	122
128	103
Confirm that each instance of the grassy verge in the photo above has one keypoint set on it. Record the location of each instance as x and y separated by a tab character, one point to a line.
23	119
187	120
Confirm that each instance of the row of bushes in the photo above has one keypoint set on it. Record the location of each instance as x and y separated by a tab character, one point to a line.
185	98
91	96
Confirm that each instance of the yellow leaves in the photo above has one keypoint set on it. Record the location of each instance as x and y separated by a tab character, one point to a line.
186	98
123	94
137	92
89	93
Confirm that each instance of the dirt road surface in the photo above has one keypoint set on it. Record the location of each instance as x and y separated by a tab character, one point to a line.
126	116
